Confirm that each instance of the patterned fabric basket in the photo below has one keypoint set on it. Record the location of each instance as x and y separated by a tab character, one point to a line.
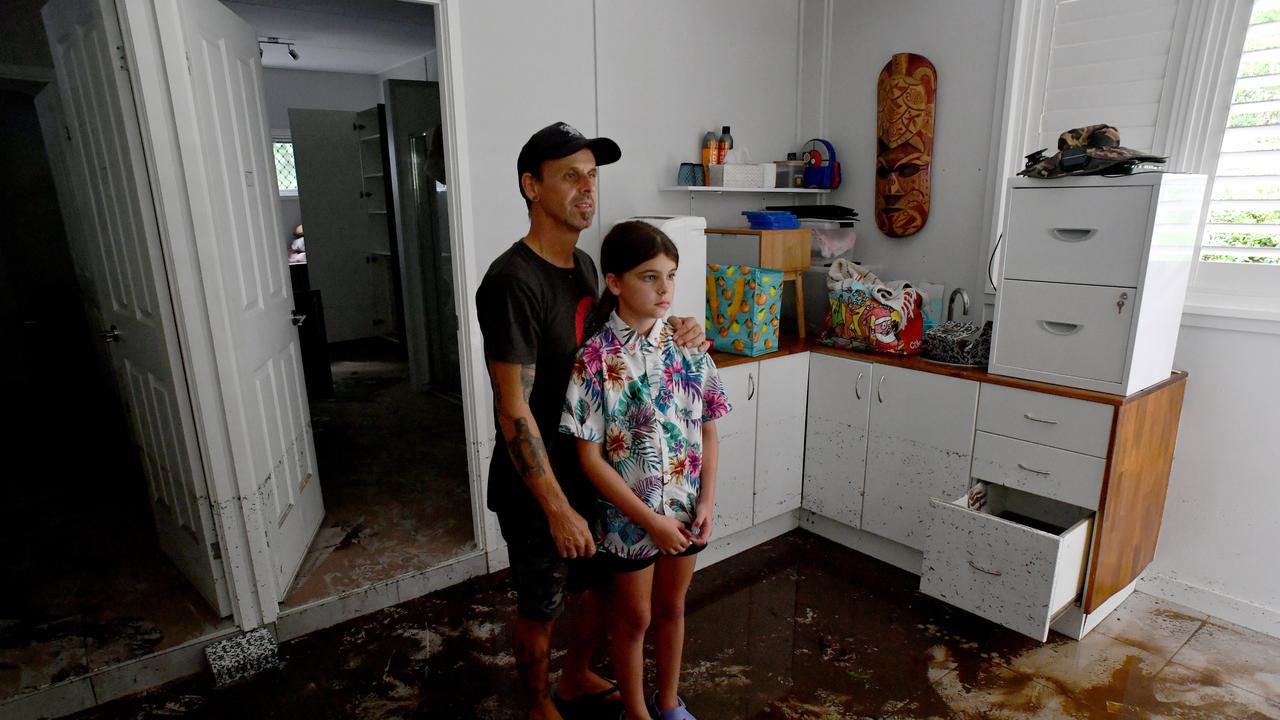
743	303
856	320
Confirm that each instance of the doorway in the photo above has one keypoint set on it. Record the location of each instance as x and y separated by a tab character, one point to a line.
88	584
354	109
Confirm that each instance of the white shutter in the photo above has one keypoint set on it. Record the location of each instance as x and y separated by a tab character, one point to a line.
1106	63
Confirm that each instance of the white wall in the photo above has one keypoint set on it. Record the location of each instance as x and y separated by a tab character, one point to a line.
316	91
962	39
1219	536
666	75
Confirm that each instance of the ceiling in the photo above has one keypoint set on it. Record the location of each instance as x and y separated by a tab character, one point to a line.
365	37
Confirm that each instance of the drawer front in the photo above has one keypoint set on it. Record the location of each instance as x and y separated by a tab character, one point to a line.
1007	573
1060	474
1061	422
1079	331
1091	236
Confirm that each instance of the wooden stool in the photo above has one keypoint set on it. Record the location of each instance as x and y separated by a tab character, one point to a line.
785	250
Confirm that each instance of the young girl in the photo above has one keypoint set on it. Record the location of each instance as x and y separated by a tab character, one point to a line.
644	410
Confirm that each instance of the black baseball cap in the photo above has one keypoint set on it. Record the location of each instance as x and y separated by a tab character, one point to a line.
559	140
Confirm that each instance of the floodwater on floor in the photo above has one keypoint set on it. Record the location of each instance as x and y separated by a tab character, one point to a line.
798	627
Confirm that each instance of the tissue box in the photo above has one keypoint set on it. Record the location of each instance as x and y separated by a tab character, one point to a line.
743	175
743	303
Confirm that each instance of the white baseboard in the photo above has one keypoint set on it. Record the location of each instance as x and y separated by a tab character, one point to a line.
1234	610
730	545
882	549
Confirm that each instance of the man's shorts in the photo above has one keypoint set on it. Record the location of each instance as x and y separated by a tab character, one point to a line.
541	577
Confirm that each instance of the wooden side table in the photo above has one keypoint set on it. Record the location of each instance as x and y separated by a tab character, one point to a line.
785	250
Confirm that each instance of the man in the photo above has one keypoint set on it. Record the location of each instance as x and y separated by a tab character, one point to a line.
533	305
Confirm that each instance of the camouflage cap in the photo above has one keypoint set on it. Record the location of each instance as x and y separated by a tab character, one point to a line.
1088	150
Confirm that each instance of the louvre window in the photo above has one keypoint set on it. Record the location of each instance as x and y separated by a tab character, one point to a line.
286	172
1243	225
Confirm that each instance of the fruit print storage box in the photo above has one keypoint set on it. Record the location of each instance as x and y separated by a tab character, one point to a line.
743	303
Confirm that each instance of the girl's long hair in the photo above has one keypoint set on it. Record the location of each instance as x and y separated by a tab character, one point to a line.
626	246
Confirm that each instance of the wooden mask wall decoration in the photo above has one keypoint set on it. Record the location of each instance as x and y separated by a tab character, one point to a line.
906	96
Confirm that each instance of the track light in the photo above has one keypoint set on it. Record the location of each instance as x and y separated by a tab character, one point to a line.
277	41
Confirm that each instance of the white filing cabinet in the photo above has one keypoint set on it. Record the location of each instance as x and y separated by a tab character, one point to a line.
1093	278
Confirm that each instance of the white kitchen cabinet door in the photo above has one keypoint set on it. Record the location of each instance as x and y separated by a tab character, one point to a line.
780	422
920	447
735	475
835	453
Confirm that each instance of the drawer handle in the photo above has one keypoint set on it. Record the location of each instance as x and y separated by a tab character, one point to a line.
1073	234
1060	328
856	392
1031	469
1033	418
995	573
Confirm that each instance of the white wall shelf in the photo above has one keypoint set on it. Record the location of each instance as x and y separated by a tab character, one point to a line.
717	189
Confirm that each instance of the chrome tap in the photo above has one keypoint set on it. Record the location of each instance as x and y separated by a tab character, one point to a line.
964	307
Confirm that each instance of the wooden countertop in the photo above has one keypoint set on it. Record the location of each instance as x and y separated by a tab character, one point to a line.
790	345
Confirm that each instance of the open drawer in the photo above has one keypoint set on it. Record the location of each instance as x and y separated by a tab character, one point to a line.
1014	558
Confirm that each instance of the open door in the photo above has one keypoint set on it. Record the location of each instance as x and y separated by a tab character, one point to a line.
115	234
230	171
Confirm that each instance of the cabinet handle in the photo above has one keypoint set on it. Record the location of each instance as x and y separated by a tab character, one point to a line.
1073	234
856	392
1031	469
1060	328
1033	418
996	573
880	385
751	385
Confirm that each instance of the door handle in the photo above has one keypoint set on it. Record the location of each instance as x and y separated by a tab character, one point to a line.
1060	328
879	387
112	335
297	317
1073	234
856	392
751	386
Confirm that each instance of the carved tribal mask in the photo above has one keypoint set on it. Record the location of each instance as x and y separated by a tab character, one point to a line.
906	95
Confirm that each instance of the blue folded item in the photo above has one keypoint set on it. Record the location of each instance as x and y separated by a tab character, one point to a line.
771	220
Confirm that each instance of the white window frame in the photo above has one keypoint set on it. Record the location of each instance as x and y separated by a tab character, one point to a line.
1200	77
284	136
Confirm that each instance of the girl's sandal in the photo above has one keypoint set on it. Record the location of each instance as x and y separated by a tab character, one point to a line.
679	712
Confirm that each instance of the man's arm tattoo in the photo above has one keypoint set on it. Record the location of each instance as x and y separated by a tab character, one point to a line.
527	451
526	380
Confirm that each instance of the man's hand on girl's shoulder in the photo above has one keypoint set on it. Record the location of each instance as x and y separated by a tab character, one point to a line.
689	333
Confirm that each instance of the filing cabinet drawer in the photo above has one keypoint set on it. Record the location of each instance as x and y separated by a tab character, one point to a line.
1073	478
1067	423
1015	559
1075	331
1091	236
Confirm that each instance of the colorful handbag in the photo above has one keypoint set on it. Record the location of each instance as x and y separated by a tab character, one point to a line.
856	320
743	303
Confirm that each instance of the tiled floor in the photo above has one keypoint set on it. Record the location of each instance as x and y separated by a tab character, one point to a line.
796	628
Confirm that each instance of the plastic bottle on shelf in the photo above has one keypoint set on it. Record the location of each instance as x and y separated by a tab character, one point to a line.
724	144
710	153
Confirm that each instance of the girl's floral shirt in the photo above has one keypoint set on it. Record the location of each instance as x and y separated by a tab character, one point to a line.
644	399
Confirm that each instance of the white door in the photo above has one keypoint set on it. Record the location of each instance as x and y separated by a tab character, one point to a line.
232	183
116	235
735	476
780	420
336	220
835	461
920	447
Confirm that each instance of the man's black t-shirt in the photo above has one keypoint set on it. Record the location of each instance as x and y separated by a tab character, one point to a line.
535	313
